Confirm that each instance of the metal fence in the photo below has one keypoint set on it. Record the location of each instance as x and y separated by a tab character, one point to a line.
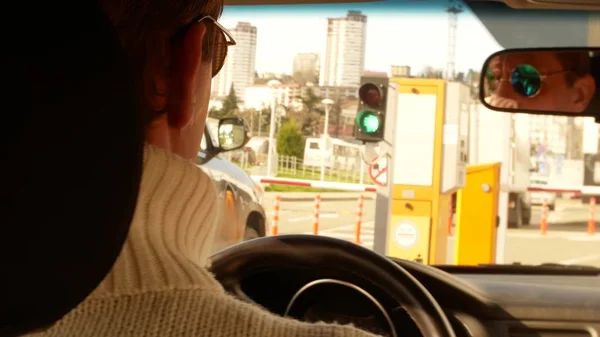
289	166
293	167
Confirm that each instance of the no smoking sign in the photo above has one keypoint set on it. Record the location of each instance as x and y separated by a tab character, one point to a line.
378	171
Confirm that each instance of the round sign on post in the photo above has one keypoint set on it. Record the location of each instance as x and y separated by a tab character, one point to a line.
378	170
406	234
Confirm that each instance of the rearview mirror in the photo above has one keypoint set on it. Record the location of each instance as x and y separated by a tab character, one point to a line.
233	134
550	81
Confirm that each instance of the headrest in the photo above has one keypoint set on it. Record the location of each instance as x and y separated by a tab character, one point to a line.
73	152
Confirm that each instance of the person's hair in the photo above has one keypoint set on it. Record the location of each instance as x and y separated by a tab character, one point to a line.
577	63
146	26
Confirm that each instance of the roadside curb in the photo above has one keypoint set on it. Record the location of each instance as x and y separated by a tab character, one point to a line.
307	199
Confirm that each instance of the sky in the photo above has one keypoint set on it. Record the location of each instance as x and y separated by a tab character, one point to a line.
398	33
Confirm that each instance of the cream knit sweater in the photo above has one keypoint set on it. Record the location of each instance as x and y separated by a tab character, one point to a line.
159	286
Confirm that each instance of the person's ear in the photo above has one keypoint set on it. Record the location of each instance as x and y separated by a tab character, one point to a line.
185	60
584	91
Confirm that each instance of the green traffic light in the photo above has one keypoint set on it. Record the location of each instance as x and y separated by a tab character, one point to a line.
368	121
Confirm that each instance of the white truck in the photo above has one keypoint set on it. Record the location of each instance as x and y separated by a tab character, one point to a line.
504	137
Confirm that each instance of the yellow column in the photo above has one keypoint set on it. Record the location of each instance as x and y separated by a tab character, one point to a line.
476	214
417	229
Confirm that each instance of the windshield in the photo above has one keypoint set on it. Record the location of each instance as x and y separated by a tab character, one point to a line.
305	63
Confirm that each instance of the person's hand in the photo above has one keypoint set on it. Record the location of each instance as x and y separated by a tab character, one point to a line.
501	102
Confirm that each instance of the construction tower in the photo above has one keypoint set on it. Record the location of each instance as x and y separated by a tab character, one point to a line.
454	8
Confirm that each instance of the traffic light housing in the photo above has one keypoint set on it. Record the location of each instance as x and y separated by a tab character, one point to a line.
370	117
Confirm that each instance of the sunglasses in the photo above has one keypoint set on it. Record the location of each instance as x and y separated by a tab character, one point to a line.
218	43
524	79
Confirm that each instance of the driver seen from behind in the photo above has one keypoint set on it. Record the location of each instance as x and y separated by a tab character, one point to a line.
541	81
160	285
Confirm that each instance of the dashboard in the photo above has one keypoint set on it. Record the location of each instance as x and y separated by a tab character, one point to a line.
476	303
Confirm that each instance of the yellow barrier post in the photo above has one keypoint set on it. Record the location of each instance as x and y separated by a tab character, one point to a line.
429	159
477	214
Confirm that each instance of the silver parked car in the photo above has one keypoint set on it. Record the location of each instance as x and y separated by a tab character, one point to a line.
242	214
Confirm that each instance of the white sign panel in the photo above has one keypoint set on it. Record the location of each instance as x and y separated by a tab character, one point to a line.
450	134
406	234
414	143
590	135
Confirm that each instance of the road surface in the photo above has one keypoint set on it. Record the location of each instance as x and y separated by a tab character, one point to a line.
566	240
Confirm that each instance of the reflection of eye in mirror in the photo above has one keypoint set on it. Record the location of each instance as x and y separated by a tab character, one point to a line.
559	81
233	134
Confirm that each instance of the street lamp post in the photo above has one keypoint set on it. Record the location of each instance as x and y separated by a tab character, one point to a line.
327	102
272	84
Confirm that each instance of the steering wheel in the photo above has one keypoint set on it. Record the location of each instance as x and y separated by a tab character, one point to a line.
237	262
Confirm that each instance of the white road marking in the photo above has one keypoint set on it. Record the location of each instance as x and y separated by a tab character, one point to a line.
281	211
525	235
321	216
584	237
568	235
367	235
581	259
368	225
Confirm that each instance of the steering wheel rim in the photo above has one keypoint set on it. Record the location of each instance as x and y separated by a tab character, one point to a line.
233	264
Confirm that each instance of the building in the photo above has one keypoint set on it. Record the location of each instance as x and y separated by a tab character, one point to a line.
335	91
260	97
240	65
344	59
547	134
400	71
306	68
375	73
558	135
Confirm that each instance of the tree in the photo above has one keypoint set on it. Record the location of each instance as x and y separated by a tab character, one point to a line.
230	104
335	116
260	80
472	80
430	72
290	140
263	124
214	112
286	79
308	117
229	107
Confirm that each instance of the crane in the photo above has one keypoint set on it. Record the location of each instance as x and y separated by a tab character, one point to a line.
454	8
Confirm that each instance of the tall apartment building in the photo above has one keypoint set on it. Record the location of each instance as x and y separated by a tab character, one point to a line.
240	64
344	59
306	68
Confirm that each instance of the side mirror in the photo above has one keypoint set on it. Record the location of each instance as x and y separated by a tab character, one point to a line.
233	134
